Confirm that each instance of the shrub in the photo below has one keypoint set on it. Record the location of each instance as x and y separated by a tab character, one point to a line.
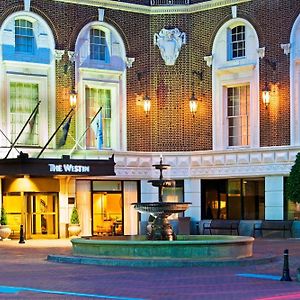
74	216
293	182
3	220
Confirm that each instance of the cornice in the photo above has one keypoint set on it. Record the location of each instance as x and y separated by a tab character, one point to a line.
156	10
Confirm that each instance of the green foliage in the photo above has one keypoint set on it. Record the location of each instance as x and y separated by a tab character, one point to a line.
74	216
3	220
292	190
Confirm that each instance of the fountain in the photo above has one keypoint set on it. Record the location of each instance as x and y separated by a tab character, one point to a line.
162	247
161	227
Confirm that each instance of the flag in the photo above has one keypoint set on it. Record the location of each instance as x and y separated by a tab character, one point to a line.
98	130
99	136
32	121
65	129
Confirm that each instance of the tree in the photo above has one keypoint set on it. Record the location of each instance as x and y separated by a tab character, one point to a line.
293	182
74	216
3	220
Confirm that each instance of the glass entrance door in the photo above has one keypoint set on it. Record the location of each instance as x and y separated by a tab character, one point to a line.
42	215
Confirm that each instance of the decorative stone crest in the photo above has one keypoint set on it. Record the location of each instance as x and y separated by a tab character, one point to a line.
169	42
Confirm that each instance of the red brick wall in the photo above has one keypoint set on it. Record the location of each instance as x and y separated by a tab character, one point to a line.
170	125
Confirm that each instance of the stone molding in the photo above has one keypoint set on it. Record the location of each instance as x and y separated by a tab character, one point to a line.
156	10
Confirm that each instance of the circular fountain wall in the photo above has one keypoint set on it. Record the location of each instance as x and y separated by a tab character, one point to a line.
185	247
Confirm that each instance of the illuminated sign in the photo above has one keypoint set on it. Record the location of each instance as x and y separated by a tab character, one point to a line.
68	168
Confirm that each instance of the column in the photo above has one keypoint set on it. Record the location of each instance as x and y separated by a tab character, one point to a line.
274	207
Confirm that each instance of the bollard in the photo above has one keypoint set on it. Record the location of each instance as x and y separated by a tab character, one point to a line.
21	241
286	270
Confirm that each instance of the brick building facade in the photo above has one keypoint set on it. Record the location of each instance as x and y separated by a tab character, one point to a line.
232	155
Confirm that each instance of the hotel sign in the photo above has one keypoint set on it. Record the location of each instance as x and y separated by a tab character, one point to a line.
23	165
67	168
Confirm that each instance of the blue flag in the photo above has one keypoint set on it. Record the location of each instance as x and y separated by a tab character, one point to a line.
99	135
65	129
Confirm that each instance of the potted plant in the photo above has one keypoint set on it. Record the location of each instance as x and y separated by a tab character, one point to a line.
74	227
5	231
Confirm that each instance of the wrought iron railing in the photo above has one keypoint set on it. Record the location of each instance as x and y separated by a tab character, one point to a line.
169	2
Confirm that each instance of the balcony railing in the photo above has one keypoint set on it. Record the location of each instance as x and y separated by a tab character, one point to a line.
169	2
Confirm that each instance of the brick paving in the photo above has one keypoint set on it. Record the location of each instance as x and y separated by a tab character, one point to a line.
25	266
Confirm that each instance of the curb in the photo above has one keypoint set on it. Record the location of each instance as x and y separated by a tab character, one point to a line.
142	262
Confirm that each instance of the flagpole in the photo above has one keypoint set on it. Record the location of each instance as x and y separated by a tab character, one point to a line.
8	139
28	120
55	132
88	127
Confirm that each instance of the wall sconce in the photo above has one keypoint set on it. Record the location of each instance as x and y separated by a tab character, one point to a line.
145	101
193	100
193	104
73	98
147	104
266	91
266	95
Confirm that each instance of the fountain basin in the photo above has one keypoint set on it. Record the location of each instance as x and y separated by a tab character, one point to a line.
204	247
156	208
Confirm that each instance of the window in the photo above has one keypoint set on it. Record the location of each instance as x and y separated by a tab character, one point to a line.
99	135
24	37
23	99
97	44
235	199
238	102
237	42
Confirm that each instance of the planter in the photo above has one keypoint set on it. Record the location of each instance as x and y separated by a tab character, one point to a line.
74	230
5	232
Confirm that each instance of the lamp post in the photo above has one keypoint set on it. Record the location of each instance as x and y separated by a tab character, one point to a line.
73	100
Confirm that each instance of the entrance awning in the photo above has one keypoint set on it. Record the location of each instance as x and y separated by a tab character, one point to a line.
23	165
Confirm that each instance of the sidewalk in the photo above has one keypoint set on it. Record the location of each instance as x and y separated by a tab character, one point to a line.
23	268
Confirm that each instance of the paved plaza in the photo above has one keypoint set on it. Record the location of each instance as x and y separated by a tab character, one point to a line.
26	274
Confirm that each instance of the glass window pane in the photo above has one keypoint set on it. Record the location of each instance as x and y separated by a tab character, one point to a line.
24	37
99	135
23	99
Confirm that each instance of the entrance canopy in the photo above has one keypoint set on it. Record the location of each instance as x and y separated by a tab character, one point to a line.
23	165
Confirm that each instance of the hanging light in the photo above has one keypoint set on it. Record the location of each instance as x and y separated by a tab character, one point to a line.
147	104
193	104
266	95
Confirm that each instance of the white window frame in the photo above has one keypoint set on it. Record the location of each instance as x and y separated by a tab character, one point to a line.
227	117
31	37
227	73
42	74
295	83
102	75
230	42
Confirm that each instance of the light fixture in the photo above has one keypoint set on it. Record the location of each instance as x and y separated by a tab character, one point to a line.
73	98
266	95
193	100
146	100
147	104
193	104
266	91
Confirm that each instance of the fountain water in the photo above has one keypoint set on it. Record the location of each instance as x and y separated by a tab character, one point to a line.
161	227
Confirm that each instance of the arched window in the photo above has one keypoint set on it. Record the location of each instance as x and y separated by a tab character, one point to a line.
28	76
295	83
24	38
97	44
101	76
235	86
